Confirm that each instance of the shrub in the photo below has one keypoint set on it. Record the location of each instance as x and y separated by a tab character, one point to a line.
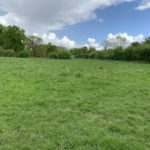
23	54
135	44
63	54
144	52
50	48
108	54
92	55
99	55
39	51
2	53
131	53
91	52
52	55
80	52
7	53
147	40
104	54
118	53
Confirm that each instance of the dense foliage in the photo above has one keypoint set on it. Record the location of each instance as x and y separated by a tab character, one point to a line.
12	37
137	51
83	52
14	42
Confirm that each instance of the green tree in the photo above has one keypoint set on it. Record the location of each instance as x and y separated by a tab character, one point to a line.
135	44
91	52
39	50
50	48
147	40
2	30
13	38
63	54
80	52
32	41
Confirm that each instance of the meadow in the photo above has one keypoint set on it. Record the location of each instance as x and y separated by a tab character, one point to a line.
76	104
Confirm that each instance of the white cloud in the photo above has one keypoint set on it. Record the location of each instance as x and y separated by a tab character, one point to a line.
66	42
43	15
92	43
40	16
112	39
52	38
145	4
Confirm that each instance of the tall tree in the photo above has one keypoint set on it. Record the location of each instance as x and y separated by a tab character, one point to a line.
2	30
14	38
32	41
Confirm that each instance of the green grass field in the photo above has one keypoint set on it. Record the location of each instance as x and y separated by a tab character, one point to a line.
74	105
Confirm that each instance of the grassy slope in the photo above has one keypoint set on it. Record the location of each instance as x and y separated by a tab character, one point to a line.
74	105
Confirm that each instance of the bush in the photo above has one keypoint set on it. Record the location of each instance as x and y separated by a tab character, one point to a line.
135	44
80	52
144	52
23	54
134	52
50	48
52	55
108	54
104	54
118	54
7	53
99	55
91	52
39	51
131	53
92	55
63	54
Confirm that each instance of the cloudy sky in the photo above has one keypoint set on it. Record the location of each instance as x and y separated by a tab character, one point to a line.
79	22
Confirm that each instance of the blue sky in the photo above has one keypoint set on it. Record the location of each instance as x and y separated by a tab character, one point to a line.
78	22
121	18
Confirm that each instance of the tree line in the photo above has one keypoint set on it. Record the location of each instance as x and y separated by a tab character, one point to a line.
136	51
15	43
